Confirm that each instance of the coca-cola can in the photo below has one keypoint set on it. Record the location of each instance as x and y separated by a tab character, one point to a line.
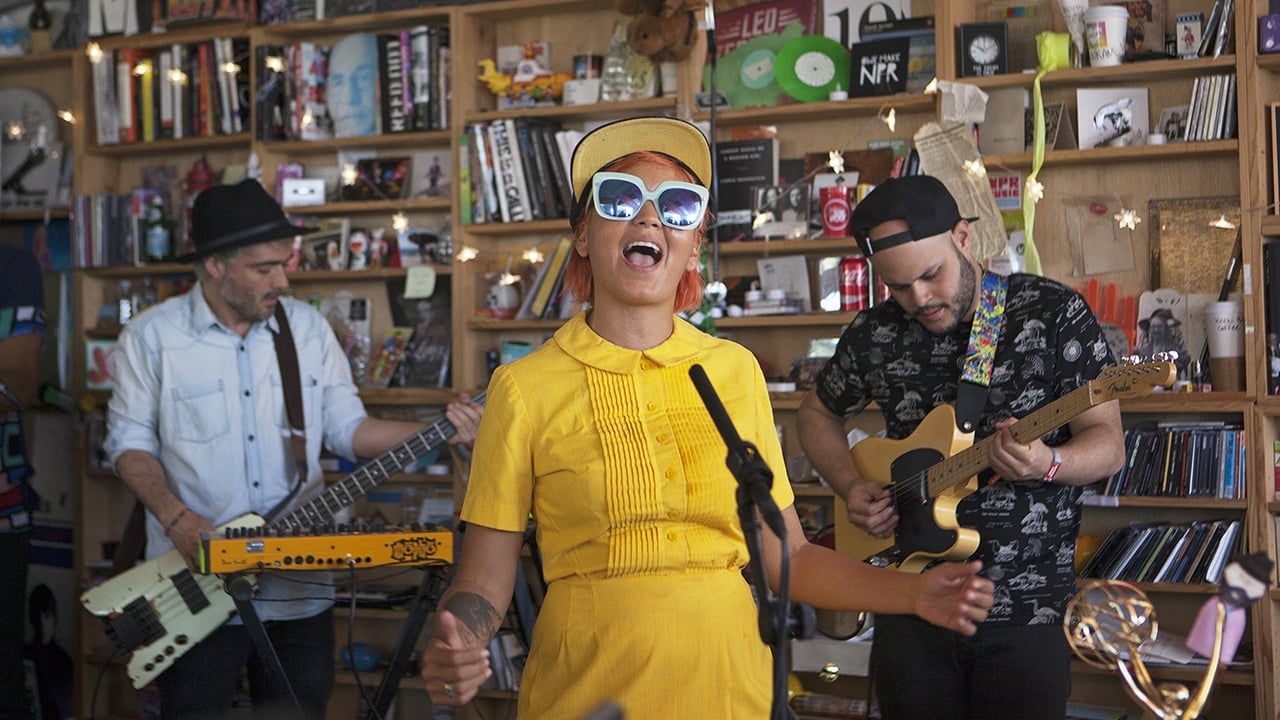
854	278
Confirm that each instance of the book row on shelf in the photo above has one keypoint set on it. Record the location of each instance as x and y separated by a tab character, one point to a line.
185	90
1163	552
1181	460
515	170
363	84
1211	113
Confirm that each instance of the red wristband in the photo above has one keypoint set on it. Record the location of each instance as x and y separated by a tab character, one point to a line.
1054	466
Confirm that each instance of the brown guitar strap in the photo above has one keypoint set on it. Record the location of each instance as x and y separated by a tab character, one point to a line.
133	541
291	381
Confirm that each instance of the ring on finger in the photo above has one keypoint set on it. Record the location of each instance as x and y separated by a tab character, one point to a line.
449	692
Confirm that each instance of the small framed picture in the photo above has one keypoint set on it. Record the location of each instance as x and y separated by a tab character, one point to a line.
1173	122
378	179
780	211
325	249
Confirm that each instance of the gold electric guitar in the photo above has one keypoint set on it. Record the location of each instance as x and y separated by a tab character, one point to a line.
159	609
931	471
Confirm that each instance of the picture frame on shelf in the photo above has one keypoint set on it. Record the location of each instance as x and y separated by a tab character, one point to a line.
1173	122
780	211
431	174
1112	116
1188	254
325	249
378	179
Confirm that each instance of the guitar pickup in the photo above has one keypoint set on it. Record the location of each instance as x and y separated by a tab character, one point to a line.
136	626
190	591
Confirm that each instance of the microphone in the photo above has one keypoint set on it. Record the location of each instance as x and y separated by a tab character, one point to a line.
744	460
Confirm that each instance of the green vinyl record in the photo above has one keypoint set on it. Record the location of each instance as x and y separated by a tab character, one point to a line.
809	68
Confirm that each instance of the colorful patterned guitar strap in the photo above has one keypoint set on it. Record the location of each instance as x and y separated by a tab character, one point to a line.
975	376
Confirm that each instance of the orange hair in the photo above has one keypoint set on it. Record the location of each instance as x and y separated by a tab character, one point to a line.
577	275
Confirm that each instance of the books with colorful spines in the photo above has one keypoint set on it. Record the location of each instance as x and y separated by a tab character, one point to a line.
206	100
395	116
1200	544
1185	559
310	69
126	95
535	300
555	275
145	89
1179	547
1160	551
482	174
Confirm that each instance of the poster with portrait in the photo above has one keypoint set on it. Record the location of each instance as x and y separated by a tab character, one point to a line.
1162	325
351	86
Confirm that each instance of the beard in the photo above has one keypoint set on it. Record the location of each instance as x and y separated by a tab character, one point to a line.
961	299
244	300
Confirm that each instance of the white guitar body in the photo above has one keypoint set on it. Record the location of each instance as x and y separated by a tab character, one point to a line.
160	608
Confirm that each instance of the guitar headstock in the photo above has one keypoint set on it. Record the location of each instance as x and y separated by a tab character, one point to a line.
1133	381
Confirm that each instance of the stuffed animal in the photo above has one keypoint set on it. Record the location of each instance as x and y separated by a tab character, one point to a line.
662	30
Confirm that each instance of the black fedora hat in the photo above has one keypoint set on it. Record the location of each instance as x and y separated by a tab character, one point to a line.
225	217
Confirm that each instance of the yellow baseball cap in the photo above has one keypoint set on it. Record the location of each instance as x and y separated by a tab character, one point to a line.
669	136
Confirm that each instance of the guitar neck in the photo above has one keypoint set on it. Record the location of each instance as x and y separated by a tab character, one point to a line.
320	510
957	469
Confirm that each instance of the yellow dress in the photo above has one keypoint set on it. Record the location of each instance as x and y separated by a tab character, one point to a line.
615	455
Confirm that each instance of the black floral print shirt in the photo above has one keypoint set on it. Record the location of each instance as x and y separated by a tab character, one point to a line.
1049	345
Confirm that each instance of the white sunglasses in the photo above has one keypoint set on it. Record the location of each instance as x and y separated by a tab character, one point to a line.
619	196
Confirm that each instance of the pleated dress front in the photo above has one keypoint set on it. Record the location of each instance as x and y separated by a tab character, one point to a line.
617	459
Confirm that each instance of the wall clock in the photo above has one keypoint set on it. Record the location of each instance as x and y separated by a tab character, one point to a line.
30	148
984	49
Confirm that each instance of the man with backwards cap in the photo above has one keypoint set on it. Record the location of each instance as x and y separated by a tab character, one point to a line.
906	355
601	435
197	428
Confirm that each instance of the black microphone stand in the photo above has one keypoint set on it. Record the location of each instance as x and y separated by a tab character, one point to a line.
755	480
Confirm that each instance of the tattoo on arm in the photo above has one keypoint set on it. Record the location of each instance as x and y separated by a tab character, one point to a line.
480	620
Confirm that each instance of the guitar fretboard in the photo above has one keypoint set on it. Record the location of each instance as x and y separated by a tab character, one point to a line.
320	510
1114	383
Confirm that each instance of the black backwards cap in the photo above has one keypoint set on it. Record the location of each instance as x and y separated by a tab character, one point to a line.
921	201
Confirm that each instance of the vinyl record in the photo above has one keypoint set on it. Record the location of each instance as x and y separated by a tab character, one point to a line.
810	67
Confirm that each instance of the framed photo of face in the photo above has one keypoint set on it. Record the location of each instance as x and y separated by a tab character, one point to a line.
780	211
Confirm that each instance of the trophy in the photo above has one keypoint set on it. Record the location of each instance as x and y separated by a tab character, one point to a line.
1108	621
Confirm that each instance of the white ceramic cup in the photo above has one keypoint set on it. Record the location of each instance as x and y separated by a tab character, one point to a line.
1105	29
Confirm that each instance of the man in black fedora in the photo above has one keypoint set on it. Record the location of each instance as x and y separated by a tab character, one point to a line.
199	429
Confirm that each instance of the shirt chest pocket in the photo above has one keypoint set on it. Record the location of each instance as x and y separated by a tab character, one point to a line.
312	398
200	411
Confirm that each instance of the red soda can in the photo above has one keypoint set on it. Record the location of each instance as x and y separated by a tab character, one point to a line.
854	277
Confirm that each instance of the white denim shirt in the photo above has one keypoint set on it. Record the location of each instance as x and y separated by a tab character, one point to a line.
209	405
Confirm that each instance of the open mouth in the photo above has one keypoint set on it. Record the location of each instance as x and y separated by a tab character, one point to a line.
643	254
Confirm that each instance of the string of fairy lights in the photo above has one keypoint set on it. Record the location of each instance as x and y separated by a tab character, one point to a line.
1034	190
